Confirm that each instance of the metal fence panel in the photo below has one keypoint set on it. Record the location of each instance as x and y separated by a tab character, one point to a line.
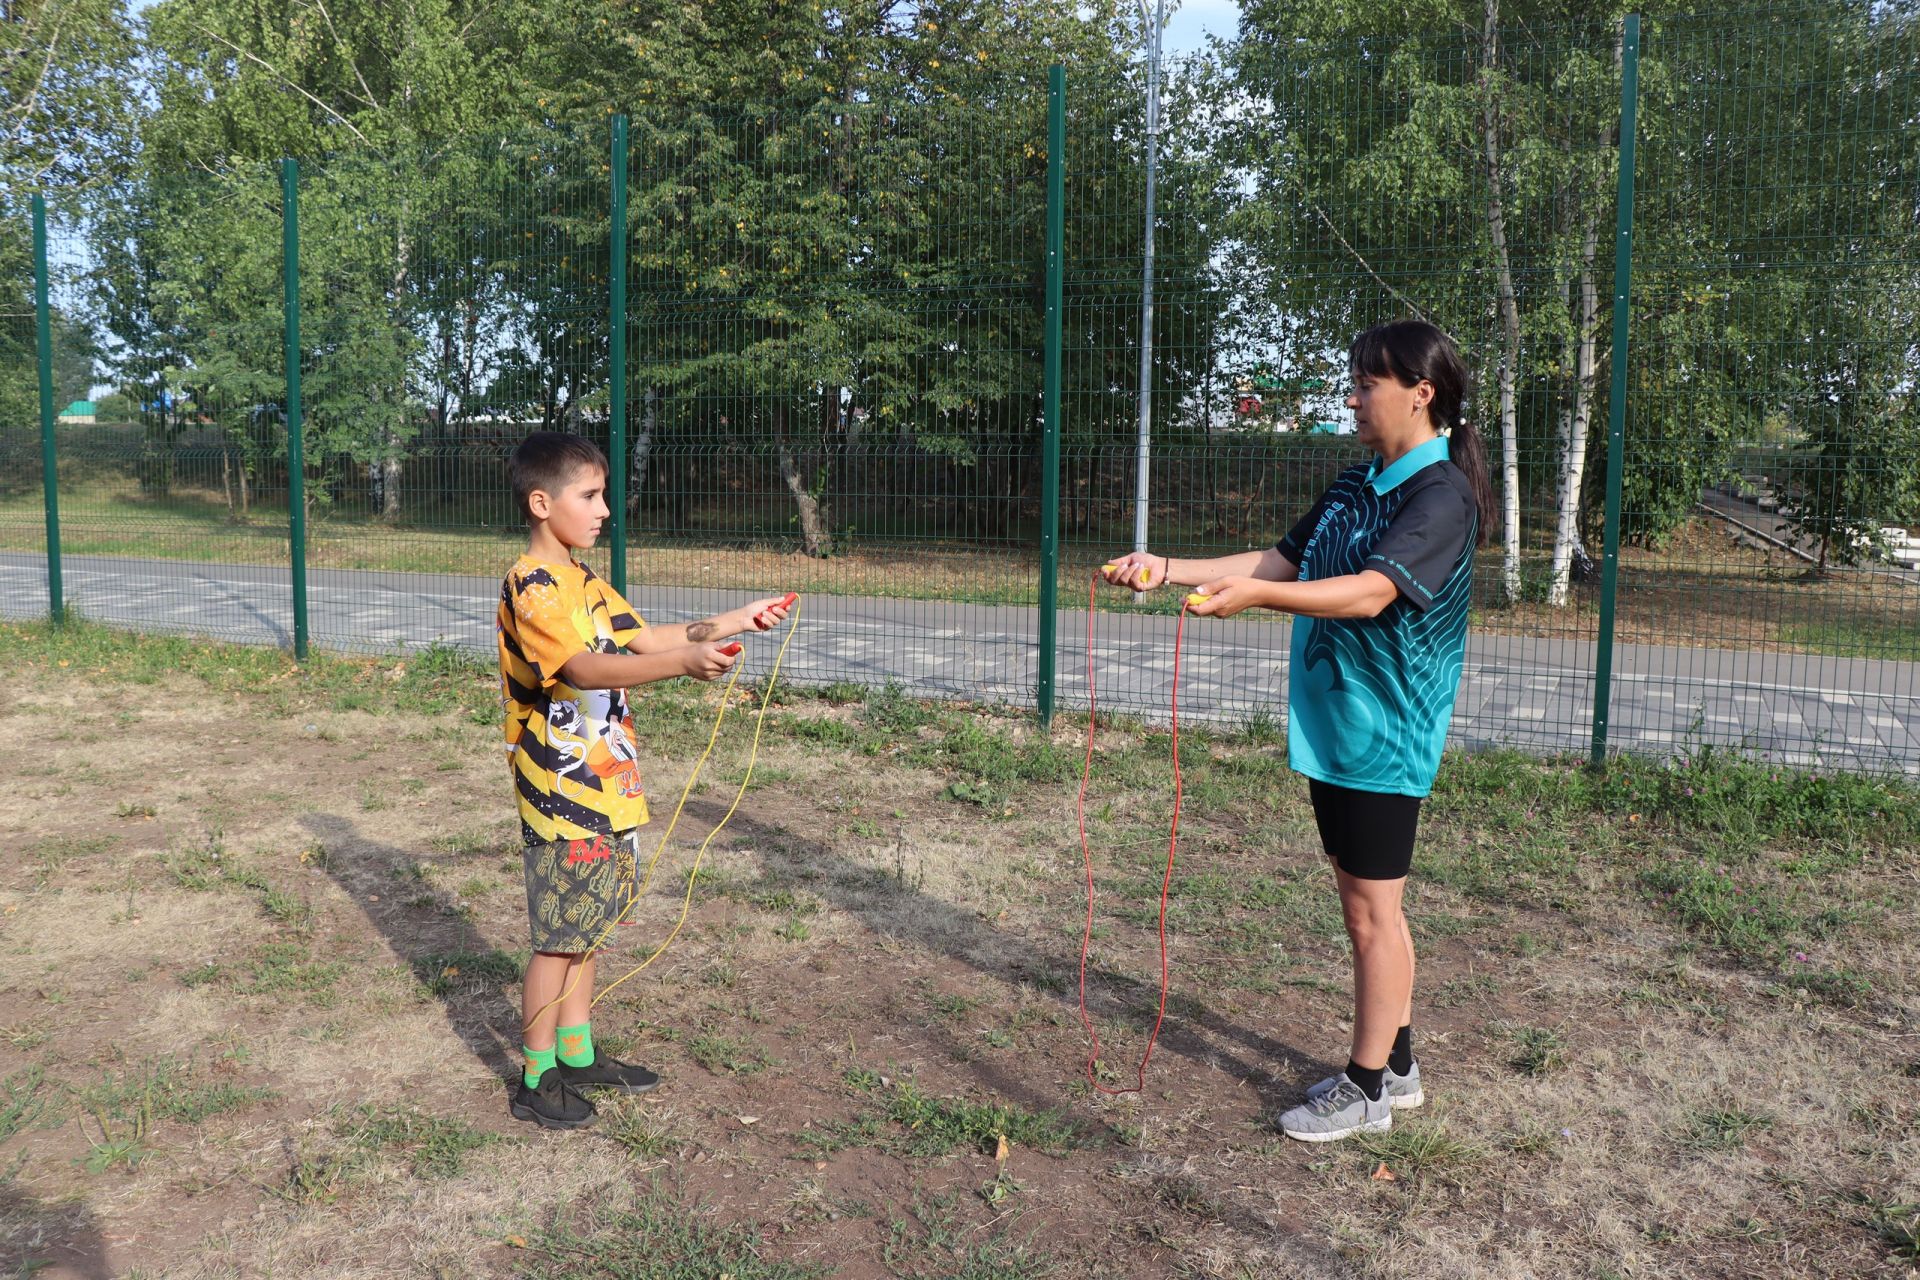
23	543
1773	431
840	395
833	338
171	457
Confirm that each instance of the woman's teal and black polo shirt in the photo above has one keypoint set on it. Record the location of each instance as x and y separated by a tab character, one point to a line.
1369	698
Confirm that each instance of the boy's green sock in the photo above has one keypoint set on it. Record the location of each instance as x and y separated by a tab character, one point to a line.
539	1062
576	1045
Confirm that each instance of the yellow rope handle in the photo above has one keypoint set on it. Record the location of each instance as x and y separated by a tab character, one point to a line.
633	898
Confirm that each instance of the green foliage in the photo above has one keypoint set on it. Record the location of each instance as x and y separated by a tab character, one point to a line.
909	1121
434	1146
127	1104
799	288
928	1126
430	681
937	1126
889	707
1723	1128
1741	801
1371	156
443	973
1422	1147
644	1130
1538	1051
656	1238
1747	800
164	1088
70	106
734	1055
930	1239
834	237
1747	855
287	968
23	1100
1898	1225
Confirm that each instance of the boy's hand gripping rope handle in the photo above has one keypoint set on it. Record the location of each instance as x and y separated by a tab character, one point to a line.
1166	880
654	861
693	873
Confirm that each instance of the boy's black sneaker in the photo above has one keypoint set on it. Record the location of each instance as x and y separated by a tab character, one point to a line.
552	1104
607	1073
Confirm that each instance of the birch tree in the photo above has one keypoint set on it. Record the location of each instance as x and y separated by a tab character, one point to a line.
1454	169
66	111
363	93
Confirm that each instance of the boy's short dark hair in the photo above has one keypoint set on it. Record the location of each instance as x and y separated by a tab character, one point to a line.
547	460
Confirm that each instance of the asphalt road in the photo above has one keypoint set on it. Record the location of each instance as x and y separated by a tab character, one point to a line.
1535	694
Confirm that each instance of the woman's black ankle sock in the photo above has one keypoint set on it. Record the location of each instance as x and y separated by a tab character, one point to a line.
1400	1061
1370	1079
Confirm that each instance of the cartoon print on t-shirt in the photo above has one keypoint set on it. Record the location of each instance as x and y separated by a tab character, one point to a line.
614	757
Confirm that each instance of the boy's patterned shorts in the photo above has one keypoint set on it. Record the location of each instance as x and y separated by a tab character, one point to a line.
577	889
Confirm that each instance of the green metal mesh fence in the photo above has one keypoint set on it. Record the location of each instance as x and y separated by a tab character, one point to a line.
22	516
835	372
827	376
1326	186
452	301
171	460
1771	596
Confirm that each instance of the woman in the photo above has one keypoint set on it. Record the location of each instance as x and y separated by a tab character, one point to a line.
1380	574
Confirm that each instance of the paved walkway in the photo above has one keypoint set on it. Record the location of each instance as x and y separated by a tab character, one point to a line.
1530	693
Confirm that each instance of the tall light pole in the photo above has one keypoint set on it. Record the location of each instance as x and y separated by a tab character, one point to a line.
1144	447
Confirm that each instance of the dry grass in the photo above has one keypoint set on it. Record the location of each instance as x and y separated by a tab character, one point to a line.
1622	1082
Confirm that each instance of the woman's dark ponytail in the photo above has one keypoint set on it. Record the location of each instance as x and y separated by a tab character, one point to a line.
1469	453
1412	351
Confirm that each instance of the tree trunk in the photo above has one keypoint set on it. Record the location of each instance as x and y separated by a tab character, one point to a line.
468	346
390	444
1509	312
1573	461
1586	374
226	477
814	538
832	427
643	446
1563	414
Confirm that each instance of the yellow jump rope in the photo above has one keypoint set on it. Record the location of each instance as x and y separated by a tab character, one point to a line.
693	874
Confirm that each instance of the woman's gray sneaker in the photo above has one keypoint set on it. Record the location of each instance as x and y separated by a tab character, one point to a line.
1403	1092
1338	1113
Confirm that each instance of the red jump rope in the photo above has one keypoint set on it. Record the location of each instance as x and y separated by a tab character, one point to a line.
1173	844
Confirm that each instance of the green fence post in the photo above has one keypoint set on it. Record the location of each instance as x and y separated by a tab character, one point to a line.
49	454
617	357
1617	401
1050	449
296	447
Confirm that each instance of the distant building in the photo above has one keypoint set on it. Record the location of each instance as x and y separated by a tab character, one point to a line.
80	411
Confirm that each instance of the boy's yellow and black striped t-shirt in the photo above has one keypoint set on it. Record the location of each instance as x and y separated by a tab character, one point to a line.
572	751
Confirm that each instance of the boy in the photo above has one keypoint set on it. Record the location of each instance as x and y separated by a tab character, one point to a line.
570	647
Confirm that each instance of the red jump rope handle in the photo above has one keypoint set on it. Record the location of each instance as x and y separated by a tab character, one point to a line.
732	650
784	604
